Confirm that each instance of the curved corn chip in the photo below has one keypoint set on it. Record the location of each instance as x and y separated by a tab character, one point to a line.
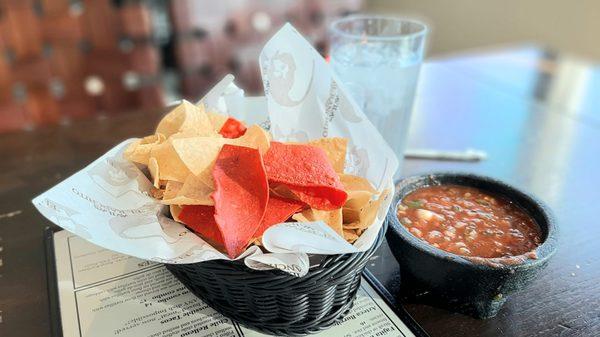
192	192
175	211
198	154
350	235
154	171
255	137
170	165
332	218
186	118
356	183
217	120
335	149
171	189
139	150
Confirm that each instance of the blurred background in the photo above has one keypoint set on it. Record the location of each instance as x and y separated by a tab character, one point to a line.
67	59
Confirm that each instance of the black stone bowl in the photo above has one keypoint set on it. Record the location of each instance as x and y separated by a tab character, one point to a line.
474	286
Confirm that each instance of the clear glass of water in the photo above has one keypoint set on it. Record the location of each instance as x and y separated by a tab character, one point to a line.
377	58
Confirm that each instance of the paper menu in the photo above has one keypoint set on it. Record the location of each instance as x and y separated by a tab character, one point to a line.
103	293
108	202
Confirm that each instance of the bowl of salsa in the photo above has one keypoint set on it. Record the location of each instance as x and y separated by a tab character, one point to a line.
468	241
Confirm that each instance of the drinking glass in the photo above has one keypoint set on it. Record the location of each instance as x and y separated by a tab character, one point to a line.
377	58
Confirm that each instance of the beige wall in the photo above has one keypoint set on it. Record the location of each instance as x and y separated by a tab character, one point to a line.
571	26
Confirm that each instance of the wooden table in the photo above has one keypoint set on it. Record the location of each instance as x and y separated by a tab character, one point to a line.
536	114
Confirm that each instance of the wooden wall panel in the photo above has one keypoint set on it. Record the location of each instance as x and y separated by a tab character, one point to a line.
51	49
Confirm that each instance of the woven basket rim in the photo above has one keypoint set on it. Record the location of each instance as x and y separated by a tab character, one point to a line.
277	272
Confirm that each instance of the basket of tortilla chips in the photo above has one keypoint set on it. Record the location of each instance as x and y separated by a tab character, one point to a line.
267	208
229	183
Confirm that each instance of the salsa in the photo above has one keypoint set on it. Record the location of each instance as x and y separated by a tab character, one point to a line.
469	222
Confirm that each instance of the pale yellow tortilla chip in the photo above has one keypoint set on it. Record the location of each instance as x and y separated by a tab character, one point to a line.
351	215
186	118
335	148
356	183
171	189
192	192
360	192
302	217
198	154
154	171
217	120
139	150
352	225
350	235
175	211
255	137
332	218
363	204
170	165
357	199
369	212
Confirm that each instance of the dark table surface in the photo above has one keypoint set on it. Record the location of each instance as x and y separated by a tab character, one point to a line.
535	113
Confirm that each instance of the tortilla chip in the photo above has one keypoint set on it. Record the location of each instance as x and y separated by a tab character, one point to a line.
192	192
172	188
201	220
357	208
335	149
241	195
352	225
156	193
357	199
139	150
366	214
255	137
278	211
303	216
356	183
350	235
175	211
153	168
332	218
232	128
351	215
216	119
307	172
188	119
197	153
170	165
369	212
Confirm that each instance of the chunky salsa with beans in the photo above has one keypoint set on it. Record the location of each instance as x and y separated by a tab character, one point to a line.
469	222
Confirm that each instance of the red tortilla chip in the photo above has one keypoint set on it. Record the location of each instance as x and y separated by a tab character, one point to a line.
201	219
232	128
278	210
307	172
241	195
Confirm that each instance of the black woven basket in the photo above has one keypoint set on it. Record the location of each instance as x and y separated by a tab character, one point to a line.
275	302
